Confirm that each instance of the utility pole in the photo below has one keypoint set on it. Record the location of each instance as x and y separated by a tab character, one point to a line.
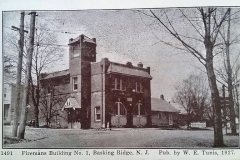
19	74
26	92
230	81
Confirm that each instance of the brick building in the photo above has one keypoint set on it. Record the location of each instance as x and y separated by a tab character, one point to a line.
94	94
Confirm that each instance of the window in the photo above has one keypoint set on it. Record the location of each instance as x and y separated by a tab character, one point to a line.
118	84
139	87
139	109
159	115
97	113
75	83
119	109
68	103
6	110
75	51
5	90
167	116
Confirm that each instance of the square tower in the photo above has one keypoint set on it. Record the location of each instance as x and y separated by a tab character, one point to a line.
82	51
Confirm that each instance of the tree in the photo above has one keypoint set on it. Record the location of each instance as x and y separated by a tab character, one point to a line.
45	55
7	64
236	89
193	95
205	24
51	104
226	74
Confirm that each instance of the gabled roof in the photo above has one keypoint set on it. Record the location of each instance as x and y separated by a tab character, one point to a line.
71	103
162	105
126	70
57	74
179	108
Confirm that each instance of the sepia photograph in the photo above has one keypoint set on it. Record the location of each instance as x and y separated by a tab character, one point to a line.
121	78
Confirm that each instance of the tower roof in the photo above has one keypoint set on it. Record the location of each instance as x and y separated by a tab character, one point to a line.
82	37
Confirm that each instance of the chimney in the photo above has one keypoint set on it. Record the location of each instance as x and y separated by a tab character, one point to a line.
148	70
105	63
140	65
105	60
81	37
162	97
129	64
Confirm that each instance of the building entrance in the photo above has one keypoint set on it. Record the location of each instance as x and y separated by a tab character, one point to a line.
74	121
119	118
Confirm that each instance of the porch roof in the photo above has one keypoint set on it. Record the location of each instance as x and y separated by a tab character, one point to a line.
162	105
71	103
180	108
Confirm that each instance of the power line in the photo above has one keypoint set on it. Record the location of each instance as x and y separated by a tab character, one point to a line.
48	44
44	29
59	31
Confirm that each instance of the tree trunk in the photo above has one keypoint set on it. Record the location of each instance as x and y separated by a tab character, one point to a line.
230	83
36	108
36	113
216	104
188	118
218	135
46	119
35	101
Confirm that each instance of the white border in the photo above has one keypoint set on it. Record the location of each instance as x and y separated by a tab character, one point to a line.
6	5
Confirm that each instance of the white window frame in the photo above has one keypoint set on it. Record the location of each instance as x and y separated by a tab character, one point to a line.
119	104
170	117
5	92
139	87
73	81
138	106
159	115
95	113
119	81
75	52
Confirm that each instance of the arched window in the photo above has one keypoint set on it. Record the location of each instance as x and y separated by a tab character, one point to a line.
119	109
139	109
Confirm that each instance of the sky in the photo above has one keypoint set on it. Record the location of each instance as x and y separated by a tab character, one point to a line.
122	35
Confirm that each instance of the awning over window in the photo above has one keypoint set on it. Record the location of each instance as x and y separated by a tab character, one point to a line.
71	103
